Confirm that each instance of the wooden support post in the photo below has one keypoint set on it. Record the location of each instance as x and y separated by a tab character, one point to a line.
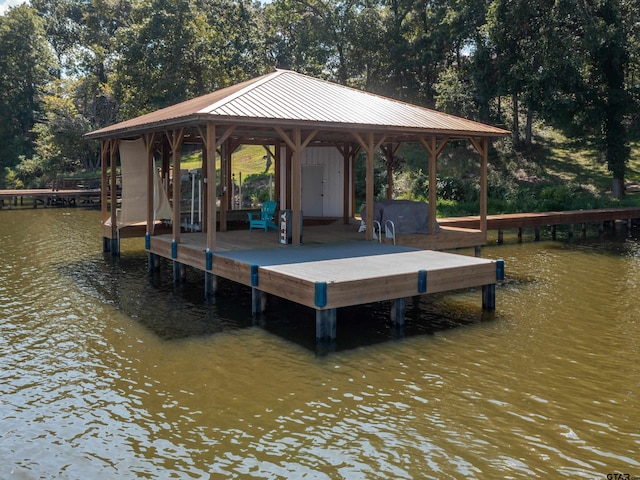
115	247
433	150
489	297
398	308
258	301
149	140
477	251
584	230
433	189
571	230
210	285
104	156
500	237
176	138
225	175
154	262
537	233
297	145
369	145
277	173
347	151
296	188
211	186
326	324
179	272
553	232
600	228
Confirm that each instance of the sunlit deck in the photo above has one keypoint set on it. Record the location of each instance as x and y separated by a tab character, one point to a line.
334	267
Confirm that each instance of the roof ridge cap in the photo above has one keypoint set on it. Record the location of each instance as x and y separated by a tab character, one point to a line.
260	81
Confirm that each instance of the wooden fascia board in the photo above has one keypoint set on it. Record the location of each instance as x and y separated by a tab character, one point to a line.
268	124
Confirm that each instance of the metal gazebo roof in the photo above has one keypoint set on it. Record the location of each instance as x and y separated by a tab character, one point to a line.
284	99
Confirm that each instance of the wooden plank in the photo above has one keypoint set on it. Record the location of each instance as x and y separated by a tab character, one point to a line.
160	247
447	238
538	219
284	286
231	269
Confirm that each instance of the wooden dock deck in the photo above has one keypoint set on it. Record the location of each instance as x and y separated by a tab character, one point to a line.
324	275
542	219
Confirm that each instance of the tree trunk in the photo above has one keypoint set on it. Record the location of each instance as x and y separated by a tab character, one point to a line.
617	188
516	121
528	129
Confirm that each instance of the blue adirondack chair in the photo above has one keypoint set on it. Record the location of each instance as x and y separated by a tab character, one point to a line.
266	217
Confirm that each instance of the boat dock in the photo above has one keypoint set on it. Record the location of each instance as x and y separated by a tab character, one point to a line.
315	132
327	276
50	198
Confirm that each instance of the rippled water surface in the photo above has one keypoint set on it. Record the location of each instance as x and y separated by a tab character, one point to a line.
107	373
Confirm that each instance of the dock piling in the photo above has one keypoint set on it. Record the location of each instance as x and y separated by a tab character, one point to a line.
210	285
115	247
489	297
326	324
258	301
179	272
398	308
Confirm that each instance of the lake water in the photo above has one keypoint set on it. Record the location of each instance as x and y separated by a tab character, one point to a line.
106	373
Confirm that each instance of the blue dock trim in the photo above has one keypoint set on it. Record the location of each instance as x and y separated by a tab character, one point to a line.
174	249
422	281
147	242
321	294
500	270
209	259
254	275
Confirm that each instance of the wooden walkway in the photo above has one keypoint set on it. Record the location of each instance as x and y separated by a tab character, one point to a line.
50	198
543	219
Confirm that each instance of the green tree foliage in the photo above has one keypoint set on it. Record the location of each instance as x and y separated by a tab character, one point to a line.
26	65
297	36
574	65
60	144
173	50
608	57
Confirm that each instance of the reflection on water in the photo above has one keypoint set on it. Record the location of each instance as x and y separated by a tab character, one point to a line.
107	373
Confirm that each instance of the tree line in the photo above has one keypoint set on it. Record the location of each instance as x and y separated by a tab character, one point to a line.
68	67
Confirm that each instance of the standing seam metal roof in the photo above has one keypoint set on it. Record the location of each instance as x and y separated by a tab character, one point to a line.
288	96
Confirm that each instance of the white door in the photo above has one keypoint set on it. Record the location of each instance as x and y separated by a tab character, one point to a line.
312	190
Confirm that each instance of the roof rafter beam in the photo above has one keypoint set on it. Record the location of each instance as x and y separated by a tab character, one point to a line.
175	138
478	144
432	147
291	143
366	145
